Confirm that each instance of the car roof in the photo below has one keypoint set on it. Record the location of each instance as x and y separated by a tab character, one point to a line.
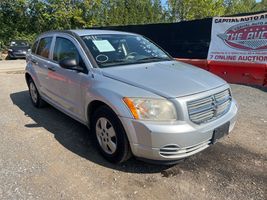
82	32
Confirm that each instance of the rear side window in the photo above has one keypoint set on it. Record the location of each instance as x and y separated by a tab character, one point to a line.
34	46
44	47
64	48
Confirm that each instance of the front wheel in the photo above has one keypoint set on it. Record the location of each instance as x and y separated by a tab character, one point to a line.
110	135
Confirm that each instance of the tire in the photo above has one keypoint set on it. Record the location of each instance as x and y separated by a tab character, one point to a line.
36	99
8	58
110	136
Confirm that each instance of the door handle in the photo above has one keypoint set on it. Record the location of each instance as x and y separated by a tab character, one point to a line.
52	69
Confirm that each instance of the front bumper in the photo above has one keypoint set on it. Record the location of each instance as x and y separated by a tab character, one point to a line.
170	142
17	54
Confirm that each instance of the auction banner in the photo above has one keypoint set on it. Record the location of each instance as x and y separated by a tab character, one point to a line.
239	39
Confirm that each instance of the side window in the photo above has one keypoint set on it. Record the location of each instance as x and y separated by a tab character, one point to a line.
34	46
44	47
64	48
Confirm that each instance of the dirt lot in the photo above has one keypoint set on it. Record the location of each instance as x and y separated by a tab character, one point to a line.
46	155
8	66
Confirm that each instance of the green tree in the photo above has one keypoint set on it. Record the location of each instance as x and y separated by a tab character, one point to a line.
123	12
194	9
14	19
239	6
65	14
24	19
262	6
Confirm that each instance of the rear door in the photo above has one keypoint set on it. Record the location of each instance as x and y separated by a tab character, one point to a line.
31	57
66	84
40	61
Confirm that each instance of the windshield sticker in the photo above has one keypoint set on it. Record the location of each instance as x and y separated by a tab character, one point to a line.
103	45
101	58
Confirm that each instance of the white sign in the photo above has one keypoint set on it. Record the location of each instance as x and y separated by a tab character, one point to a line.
103	45
239	39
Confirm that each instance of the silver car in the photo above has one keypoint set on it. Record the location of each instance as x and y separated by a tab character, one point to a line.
133	96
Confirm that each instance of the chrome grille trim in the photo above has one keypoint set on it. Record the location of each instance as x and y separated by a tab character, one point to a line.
182	152
209	108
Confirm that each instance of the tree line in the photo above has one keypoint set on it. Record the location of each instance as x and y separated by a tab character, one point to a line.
24	19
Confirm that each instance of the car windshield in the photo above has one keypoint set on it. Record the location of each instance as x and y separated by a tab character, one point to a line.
119	49
19	43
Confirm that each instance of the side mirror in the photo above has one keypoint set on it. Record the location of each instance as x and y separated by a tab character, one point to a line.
70	63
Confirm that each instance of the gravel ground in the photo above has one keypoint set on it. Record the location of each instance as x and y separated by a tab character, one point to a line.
8	66
46	155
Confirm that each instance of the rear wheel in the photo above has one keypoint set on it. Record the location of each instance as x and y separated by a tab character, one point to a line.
36	99
110	135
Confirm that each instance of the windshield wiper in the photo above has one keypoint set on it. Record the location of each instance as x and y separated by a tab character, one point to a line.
152	58
114	62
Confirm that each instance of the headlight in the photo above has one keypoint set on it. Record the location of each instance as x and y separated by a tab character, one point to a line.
151	109
10	49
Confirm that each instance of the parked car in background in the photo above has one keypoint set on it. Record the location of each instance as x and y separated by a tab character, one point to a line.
18	49
132	95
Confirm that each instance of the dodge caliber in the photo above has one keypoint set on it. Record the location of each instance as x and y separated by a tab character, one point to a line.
134	97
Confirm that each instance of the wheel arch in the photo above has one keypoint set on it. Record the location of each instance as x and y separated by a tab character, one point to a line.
93	106
28	77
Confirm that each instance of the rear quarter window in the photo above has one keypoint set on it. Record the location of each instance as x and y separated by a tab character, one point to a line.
44	47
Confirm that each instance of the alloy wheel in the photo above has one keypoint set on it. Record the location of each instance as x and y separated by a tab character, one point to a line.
33	92
106	135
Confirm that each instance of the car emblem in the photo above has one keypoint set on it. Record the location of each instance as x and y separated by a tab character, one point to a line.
214	106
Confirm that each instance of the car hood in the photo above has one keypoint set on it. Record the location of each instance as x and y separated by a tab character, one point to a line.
169	79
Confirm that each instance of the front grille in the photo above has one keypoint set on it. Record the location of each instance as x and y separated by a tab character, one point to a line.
19	53
209	108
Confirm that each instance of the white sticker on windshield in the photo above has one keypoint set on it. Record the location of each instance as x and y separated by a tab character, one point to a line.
103	45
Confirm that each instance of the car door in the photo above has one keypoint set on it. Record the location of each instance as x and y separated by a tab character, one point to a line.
65	84
40	62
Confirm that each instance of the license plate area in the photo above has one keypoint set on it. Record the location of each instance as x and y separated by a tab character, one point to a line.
219	132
